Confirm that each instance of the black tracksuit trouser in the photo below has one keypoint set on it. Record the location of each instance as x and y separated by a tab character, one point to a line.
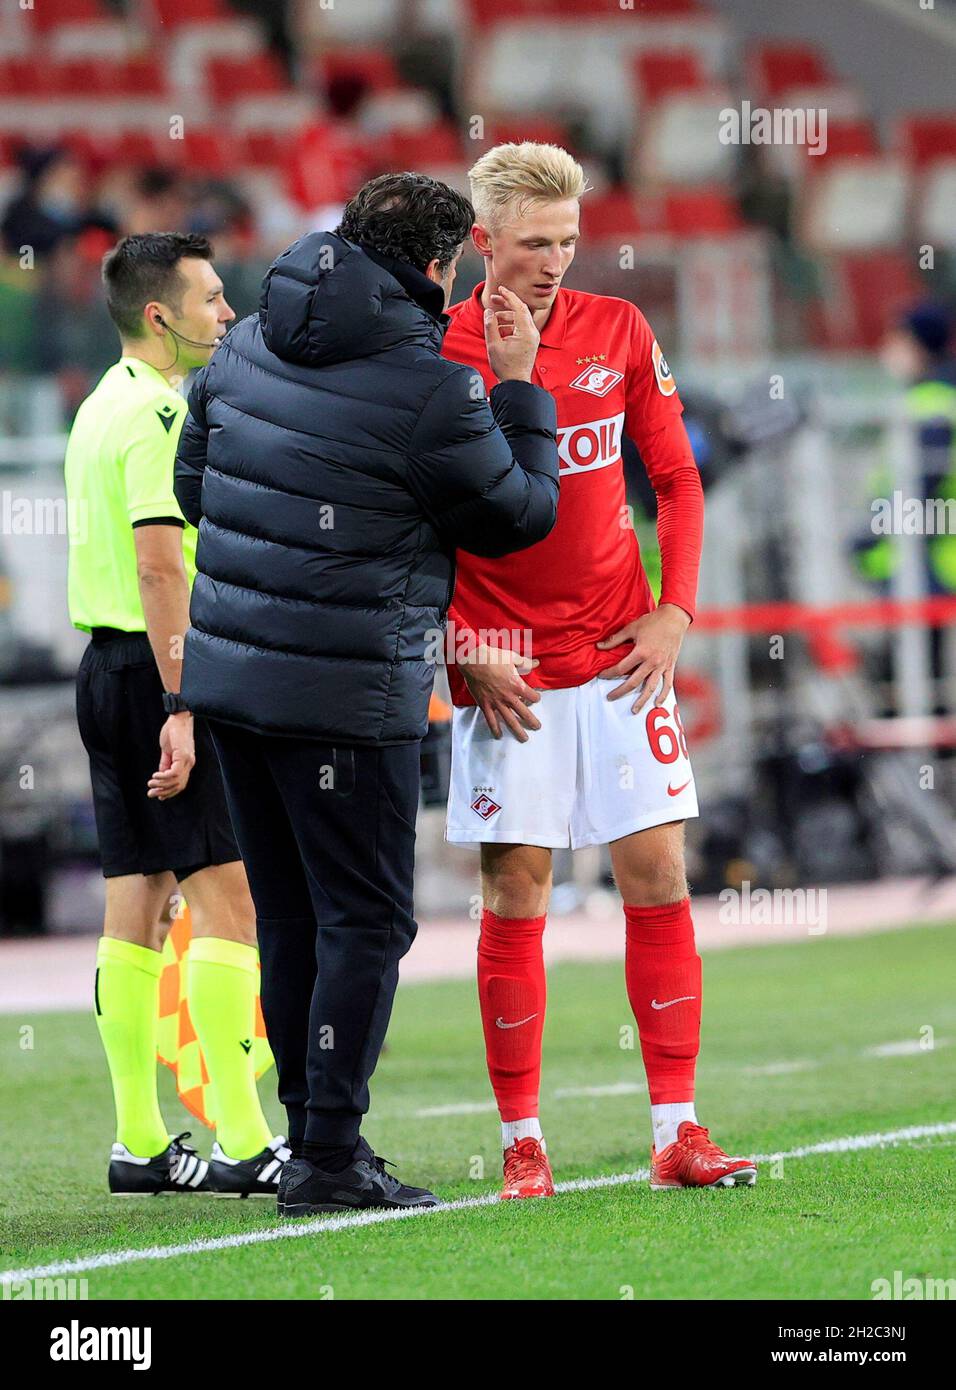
327	835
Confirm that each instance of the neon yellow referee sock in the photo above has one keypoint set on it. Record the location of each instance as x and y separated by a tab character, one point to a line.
127	1013
221	985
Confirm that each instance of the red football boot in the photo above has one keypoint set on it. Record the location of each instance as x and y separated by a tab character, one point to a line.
527	1171
694	1160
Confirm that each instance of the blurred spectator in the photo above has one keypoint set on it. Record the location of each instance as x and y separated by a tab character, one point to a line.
159	203
49	206
76	339
18	292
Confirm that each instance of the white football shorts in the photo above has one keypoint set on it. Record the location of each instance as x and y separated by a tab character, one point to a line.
592	773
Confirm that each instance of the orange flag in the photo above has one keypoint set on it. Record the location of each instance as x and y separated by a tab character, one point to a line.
178	1046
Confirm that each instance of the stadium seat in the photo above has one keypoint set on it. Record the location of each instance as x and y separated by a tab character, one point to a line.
108	40
923	138
232	78
211	152
410	149
49	14
488	12
662	73
544	130
142	148
863	297
401	108
847	139
25	79
856	205
936	211
677	142
281	111
190	46
374	67
265	149
614	213
325	163
176	12
701	212
777	67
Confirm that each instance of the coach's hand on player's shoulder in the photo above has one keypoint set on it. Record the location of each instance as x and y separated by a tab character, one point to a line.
492	675
177	757
649	666
511	336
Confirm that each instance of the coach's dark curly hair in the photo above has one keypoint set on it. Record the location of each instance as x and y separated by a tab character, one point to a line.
409	216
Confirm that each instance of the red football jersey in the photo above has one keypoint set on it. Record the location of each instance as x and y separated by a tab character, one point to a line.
601	363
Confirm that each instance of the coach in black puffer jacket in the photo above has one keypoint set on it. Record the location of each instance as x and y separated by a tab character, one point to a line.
333	461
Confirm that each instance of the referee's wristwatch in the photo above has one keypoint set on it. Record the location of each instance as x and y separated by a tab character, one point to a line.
173	703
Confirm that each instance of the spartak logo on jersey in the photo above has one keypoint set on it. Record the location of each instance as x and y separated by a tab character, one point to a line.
597	380
595	444
665	378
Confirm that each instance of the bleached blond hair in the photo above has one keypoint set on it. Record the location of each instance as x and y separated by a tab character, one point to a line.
512	178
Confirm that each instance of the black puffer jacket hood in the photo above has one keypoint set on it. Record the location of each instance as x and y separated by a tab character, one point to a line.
324	300
333	461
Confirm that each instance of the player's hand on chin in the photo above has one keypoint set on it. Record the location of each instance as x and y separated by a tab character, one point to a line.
493	677
649	665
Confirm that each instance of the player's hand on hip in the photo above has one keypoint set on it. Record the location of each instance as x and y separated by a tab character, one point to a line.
511	336
177	758
649	665
493	676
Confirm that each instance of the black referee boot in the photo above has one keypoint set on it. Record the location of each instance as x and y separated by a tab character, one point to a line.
306	1190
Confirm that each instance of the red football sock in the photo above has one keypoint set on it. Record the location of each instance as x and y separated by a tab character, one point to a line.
512	994
662	966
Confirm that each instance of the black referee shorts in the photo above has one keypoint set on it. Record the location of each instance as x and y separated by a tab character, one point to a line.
119	707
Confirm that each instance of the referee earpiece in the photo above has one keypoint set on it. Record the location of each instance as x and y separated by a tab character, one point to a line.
159	321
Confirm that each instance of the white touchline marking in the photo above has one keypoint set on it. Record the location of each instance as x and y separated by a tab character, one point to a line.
295	1230
909	1047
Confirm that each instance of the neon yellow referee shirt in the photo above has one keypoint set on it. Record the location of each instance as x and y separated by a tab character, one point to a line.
119	474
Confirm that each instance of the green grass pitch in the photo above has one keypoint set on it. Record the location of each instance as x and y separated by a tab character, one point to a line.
786	1063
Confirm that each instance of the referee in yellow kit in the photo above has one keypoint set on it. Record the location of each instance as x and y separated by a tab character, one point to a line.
161	814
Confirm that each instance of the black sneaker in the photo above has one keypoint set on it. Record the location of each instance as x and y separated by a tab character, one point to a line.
248	1177
177	1169
306	1190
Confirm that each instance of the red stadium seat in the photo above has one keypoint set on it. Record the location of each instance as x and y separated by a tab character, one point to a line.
660	74
325	164
927	136
215	153
863	299
375	67
233	78
265	149
779	66
612	214
407	149
702	212
487	12
142	149
26	79
50	13
846	140
176	12
508	130
143	77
